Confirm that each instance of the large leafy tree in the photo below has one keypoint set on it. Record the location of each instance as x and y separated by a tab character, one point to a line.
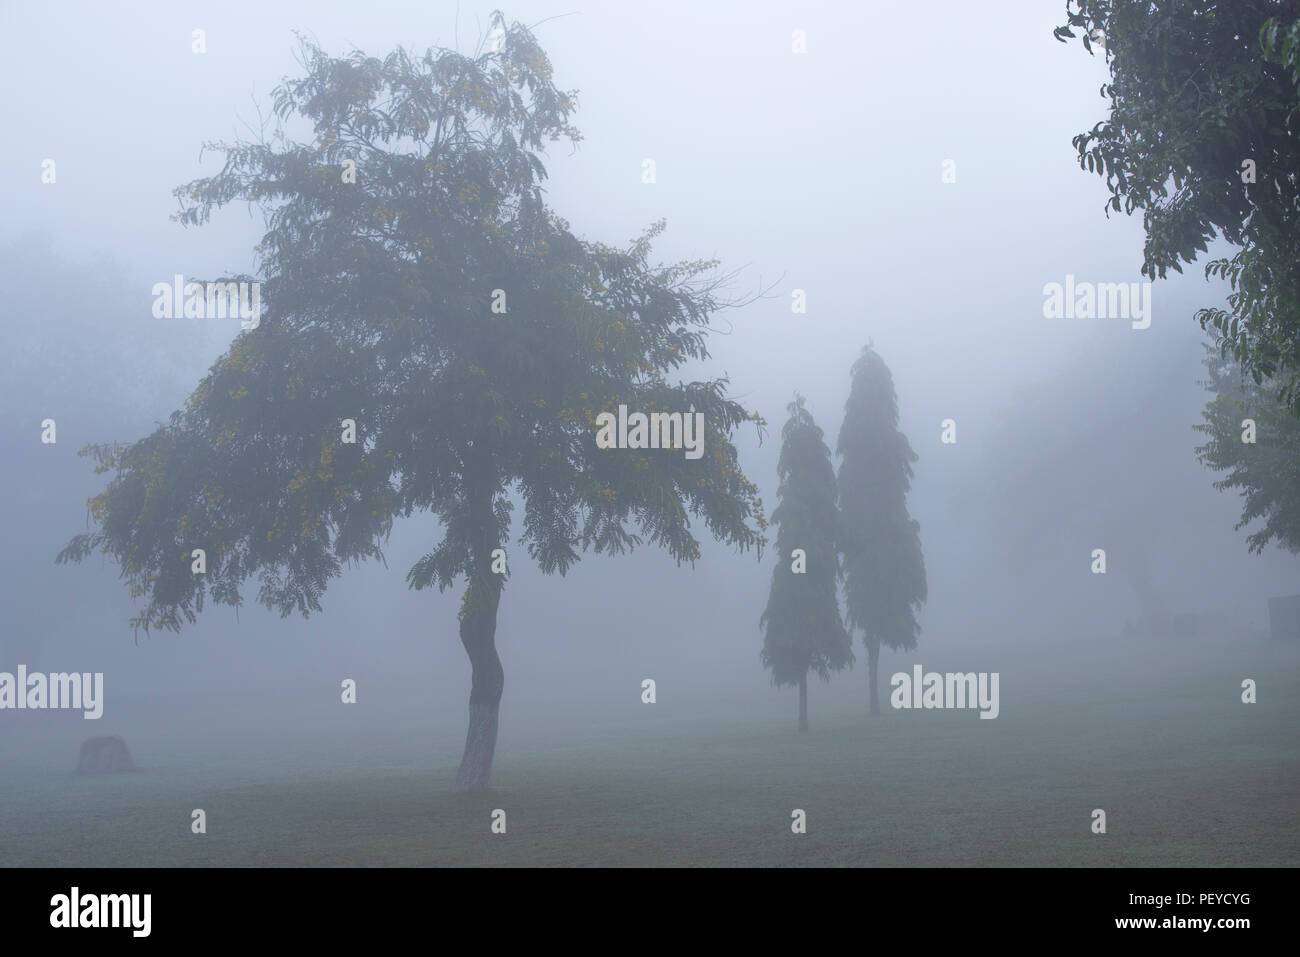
379	299
802	627
1204	97
880	544
1256	441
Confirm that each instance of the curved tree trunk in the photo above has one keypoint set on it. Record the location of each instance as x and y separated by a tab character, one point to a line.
873	660
478	630
803	703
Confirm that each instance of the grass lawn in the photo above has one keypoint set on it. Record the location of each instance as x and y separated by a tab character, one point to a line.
1187	775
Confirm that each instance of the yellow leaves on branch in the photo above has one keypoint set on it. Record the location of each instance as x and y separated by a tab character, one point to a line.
576	416
310	525
298	483
198	397
277	527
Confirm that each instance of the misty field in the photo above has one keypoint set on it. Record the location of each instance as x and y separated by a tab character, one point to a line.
1153	733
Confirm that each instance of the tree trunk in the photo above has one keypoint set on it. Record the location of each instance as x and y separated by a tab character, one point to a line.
478	631
478	634
803	703
873	661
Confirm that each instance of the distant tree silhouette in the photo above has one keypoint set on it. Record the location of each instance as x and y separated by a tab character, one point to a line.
802	627
880	544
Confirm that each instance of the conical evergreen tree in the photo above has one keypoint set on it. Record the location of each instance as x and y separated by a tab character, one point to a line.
880	544
802	627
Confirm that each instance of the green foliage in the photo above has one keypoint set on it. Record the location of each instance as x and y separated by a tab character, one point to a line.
1196	89
377	307
802	628
880	544
1266	471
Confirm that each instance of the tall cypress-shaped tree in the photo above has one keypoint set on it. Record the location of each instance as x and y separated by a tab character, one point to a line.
802	627
880	544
